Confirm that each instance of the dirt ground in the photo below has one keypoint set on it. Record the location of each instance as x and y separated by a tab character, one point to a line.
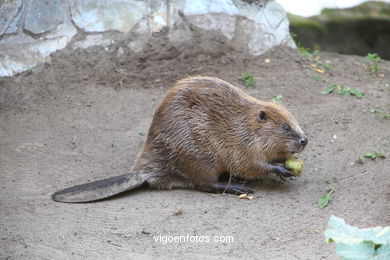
85	115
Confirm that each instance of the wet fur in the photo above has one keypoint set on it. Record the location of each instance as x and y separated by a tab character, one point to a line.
205	127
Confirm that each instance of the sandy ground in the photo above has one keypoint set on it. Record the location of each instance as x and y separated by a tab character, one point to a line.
85	115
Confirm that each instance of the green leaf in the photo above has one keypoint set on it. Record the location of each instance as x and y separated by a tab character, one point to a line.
356	92
385	115
304	51
247	79
277	98
373	57
323	200
343	91
380	155
327	90
326	65
374	155
370	155
316	52
373	110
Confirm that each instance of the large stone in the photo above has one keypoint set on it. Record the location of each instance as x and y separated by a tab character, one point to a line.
66	30
16	22
21	52
210	6
10	11
272	28
93	40
224	23
254	27
19	55
159	16
100	16
44	16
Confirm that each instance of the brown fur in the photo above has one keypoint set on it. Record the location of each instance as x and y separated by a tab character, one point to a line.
203	128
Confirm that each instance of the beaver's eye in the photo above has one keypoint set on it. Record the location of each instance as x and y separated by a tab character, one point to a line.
286	128
262	116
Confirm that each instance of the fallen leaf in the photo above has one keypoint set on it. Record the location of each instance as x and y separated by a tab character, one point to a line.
320	71
267	60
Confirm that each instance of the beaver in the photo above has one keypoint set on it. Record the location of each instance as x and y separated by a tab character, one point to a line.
203	128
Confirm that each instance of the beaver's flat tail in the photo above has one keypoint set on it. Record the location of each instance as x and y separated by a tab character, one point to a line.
100	189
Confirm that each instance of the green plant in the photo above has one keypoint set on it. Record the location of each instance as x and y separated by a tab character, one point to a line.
381	113
354	243
373	66
373	57
323	200
373	156
326	65
277	99
341	90
355	92
314	56
316	52
247	79
304	51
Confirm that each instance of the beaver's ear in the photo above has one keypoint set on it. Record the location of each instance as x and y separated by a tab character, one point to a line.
262	116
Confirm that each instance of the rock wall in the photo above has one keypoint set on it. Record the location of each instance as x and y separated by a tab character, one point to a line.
32	29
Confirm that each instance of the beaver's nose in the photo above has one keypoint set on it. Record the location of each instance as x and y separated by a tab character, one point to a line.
303	140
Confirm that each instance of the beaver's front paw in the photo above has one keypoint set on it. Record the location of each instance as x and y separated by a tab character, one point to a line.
283	171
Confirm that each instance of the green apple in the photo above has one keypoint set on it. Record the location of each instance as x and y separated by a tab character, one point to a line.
295	164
